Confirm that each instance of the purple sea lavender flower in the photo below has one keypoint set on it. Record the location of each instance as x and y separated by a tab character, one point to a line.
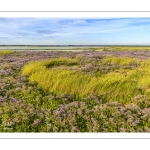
12	99
134	124
137	121
122	129
35	123
73	129
1	99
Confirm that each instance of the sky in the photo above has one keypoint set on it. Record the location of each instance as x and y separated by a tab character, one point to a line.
74	31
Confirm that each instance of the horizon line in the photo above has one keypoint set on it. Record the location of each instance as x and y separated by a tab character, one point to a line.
78	45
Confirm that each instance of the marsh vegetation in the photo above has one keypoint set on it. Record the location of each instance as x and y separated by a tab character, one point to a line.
88	91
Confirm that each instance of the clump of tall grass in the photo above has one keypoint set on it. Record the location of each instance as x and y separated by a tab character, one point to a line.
120	60
5	52
120	83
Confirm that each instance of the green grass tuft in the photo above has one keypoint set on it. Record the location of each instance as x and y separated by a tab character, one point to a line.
120	83
5	52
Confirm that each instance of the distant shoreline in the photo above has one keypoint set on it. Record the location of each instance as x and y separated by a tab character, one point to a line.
74	45
73	48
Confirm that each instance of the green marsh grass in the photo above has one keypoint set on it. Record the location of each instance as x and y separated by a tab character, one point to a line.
127	78
5	52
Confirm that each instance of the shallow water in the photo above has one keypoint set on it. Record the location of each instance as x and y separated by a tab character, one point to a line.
45	47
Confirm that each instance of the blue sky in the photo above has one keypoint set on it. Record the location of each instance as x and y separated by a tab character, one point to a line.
75	31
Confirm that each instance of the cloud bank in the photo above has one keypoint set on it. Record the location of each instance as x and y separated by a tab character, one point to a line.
66	31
